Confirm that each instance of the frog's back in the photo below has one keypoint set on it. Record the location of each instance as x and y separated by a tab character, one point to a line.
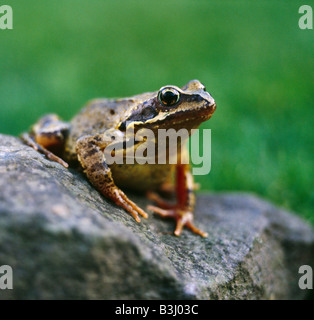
98	116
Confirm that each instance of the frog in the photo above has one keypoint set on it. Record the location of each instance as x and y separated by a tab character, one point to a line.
104	122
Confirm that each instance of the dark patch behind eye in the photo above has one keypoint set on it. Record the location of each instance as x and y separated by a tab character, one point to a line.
122	126
140	115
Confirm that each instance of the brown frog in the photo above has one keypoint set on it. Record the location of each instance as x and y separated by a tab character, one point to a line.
105	122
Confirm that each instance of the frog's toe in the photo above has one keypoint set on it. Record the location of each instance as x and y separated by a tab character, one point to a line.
122	200
153	196
183	218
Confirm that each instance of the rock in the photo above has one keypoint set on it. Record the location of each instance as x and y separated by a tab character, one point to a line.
65	241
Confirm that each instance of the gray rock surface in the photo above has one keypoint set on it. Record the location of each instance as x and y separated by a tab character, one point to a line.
65	241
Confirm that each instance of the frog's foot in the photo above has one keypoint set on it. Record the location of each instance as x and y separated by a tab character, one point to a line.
183	218
120	198
160	202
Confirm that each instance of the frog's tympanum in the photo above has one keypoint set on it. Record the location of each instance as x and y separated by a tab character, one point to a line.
104	122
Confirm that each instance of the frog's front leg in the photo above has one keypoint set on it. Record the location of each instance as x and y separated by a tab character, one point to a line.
91	156
182	211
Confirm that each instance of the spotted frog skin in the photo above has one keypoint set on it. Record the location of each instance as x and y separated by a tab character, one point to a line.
83	141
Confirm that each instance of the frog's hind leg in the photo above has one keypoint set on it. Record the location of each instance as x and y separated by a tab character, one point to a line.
47	136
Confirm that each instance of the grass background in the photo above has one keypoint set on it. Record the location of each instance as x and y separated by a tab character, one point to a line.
251	55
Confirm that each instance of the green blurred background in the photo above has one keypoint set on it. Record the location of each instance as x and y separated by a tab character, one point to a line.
251	55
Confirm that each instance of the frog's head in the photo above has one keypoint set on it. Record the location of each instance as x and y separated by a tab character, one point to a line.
171	107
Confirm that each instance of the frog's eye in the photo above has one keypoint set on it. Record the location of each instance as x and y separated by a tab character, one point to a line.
168	96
